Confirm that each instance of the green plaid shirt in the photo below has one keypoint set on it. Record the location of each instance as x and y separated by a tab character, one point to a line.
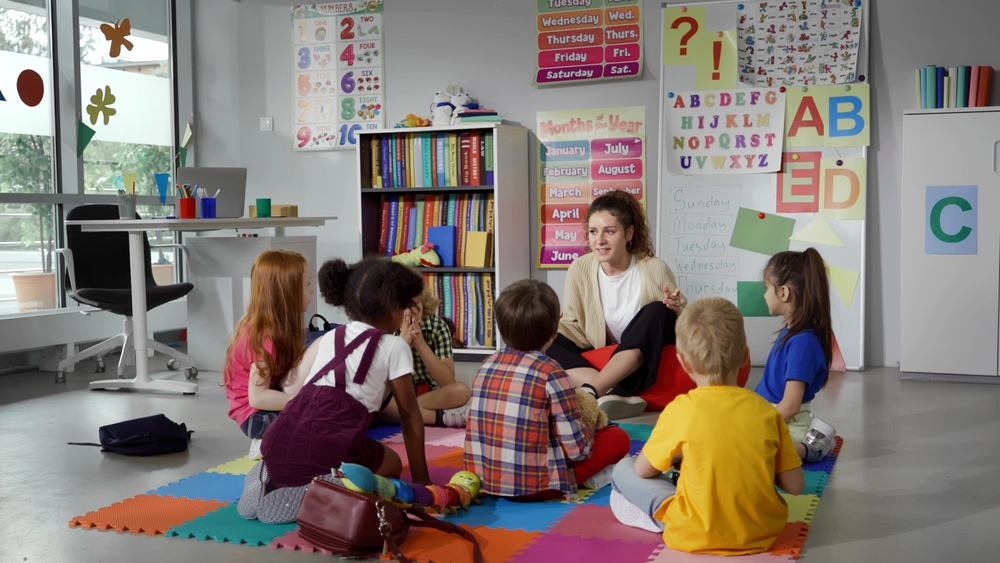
438	338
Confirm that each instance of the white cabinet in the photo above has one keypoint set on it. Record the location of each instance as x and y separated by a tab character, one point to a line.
950	302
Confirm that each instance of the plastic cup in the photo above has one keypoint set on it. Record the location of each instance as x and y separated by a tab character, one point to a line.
263	207
186	205
126	207
208	208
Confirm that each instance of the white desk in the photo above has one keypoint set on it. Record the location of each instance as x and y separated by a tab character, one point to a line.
136	229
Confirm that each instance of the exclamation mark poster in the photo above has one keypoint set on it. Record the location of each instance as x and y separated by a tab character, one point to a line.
688	39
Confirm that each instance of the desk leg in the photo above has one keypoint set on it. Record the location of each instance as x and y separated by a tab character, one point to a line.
142	381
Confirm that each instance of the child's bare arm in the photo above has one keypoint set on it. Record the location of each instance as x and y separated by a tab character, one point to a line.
413	427
443	371
645	469
260	394
791	401
296	377
792	481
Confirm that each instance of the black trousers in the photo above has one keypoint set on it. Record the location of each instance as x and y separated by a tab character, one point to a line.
650	330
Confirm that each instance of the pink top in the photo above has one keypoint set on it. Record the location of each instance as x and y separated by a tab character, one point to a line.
240	362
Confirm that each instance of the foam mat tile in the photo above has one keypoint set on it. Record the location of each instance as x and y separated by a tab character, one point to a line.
637	432
601	497
431	453
801	508
383	431
148	514
239	466
223	487
436	436
667	555
498	545
292	541
525	516
593	521
825	465
791	540
557	547
226	525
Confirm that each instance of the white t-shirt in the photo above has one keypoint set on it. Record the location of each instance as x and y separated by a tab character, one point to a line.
392	360
620	297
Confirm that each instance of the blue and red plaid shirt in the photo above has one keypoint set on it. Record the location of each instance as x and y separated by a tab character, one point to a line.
524	427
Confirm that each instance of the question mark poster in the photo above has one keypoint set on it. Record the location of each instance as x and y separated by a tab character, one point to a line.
587	40
339	73
582	155
690	40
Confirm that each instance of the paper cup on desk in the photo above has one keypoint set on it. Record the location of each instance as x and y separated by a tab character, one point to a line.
126	207
263	207
208	208
187	207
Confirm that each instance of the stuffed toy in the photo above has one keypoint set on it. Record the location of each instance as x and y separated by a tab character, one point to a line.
593	417
412	121
461	101
460	492
424	256
442	109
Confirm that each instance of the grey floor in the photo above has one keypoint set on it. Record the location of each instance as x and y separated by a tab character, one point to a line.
917	479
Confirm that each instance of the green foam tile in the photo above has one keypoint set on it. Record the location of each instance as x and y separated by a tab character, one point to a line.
226	525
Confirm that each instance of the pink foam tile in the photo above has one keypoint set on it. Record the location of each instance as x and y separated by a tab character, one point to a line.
430	452
292	541
436	436
666	555
557	547
596	521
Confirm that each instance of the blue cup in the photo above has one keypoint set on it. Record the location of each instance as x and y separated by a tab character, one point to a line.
208	208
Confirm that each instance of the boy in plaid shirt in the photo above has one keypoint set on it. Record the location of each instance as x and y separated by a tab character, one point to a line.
525	437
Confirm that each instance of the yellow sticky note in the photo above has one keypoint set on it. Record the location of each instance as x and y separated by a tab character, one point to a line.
818	232
682	33
843	189
715	59
844	281
128	180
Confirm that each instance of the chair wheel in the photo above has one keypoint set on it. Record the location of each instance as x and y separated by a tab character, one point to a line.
101	368
191	373
173	365
60	377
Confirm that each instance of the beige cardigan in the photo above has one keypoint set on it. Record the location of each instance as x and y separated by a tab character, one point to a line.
583	316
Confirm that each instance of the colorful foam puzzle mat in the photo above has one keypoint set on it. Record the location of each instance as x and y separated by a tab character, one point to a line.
203	507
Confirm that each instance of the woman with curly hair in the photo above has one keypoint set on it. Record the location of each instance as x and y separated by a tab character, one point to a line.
618	293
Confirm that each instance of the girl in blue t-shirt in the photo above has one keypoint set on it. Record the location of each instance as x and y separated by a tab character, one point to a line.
797	367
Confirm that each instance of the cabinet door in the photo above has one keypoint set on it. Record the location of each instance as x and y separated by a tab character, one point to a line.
950	303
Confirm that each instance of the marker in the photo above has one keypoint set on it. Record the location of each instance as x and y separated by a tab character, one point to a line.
217	193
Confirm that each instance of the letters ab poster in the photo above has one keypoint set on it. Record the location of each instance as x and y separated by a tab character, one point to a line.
582	40
583	154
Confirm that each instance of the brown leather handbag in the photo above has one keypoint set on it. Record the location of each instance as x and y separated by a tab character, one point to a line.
351	524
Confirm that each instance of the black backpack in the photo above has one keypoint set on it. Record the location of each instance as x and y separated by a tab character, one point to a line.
149	435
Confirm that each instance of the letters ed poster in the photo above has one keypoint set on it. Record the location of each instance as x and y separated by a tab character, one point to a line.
339	73
724	131
583	154
584	40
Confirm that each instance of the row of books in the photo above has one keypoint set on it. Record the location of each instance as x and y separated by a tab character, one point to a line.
466	299
432	160
955	87
406	219
478	115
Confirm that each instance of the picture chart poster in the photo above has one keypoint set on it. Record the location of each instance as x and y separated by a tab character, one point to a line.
339	73
583	154
582	40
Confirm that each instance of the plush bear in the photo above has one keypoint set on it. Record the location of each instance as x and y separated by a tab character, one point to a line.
442	108
593	417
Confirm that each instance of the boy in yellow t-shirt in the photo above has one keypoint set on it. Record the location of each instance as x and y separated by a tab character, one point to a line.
734	446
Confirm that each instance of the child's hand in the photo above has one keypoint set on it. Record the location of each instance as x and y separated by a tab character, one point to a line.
406	329
417	335
673	299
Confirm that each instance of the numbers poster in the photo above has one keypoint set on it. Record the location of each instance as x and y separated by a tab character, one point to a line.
584	154
581	40
338	58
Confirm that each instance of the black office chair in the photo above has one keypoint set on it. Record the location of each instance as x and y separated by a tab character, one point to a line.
97	272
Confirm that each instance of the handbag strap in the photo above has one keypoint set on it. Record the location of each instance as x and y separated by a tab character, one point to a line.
425	520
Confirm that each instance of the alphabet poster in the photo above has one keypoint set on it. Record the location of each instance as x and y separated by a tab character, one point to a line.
798	42
724	131
583	154
582	40
339	73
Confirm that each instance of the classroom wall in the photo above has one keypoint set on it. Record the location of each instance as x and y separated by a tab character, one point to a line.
243	73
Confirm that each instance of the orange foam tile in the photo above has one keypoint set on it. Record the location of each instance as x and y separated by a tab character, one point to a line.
498	545
149	514
791	540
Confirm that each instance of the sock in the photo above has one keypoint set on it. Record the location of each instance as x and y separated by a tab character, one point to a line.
589	389
438	418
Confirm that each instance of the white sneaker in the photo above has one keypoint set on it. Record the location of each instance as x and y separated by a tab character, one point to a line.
618	407
819	440
601	479
456	417
630	514
255	449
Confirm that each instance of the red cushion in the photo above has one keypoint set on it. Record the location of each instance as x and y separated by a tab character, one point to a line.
671	380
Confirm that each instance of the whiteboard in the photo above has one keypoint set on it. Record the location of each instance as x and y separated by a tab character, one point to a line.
696	215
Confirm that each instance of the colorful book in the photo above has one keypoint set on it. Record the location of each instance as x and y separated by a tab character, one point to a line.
921	96
929	78
953	87
383	222
985	78
391	245
443	239
428	160
939	87
418	237
475	159
411	228
489	212
429	204
465	148
440	160
452	203
470	309
462	306
480	336
461	226
418	161
376	176
488	339
440	293
961	91
384	167
973	86
488	159
447	298
477	249
453	163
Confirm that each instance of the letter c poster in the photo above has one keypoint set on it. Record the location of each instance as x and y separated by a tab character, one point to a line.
583	154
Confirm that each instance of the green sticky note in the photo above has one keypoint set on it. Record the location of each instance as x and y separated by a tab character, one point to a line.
766	233
750	299
184	155
83	136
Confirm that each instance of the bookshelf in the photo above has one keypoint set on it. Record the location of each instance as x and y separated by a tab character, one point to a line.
510	203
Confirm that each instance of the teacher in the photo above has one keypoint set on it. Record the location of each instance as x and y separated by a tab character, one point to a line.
618	293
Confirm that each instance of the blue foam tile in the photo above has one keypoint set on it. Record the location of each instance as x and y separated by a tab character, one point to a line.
383	431
601	497
222	487
825	465
635	447
525	516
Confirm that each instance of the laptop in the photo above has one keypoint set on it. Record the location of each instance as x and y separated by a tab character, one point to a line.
231	183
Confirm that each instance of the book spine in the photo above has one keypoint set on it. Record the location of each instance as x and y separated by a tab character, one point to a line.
460	227
470	310
397	166
419	237
481	213
407	241
411	228
418	161
929	85
985	76
488	339
480	331
400	241
939	87
489	213
428	158
466	147
488	158
440	144
961	93
384	157
376	177
391	245
953	87
447	302
475	159
452	202
453	159
973	86
921	99
383	229
429	205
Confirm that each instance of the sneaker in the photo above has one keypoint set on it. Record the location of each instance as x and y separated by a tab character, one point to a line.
601	479
255	449
630	514
618	407
819	440
456	418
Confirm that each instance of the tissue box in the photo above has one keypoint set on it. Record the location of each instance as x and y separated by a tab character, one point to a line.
278	210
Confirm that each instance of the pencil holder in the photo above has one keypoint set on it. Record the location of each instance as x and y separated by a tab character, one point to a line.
263	207
126	207
208	208
186	205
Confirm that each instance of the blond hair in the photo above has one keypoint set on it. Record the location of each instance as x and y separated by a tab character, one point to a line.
710	335
427	299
